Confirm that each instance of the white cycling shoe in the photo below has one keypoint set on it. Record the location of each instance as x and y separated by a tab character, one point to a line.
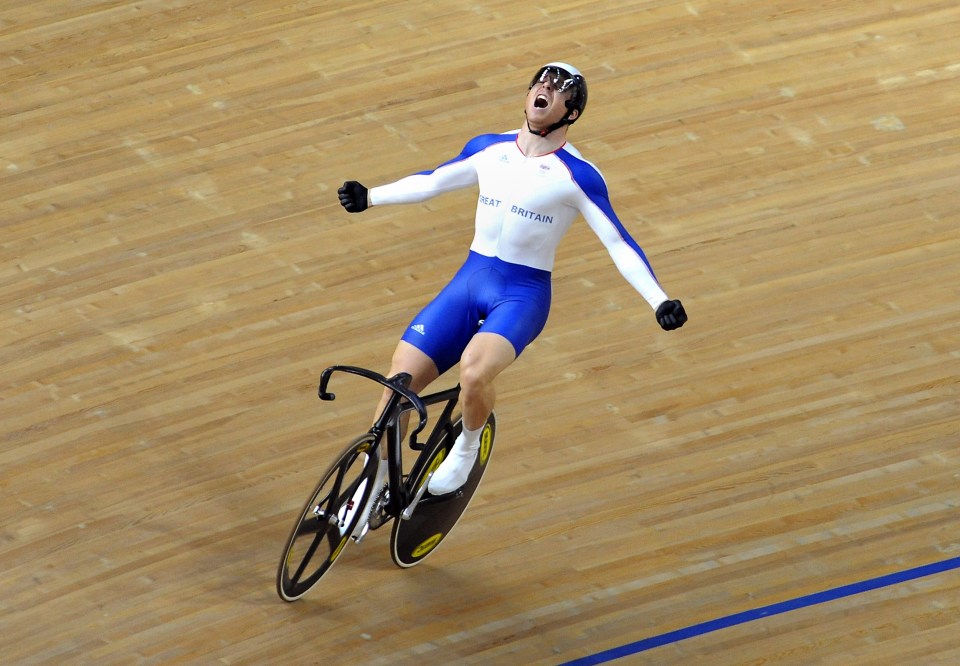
455	468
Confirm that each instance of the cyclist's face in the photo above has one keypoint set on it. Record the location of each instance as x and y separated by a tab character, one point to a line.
547	99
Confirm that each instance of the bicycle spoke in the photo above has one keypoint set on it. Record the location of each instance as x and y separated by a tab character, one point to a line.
295	578
310	526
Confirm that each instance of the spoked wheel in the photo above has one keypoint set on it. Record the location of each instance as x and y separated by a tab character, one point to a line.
414	538
328	518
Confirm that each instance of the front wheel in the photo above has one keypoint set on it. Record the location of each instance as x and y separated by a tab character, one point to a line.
327	519
434	517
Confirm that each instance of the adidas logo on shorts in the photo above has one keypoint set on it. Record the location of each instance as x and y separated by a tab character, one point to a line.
420	328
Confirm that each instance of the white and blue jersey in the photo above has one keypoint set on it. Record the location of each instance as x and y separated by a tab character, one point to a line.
524	207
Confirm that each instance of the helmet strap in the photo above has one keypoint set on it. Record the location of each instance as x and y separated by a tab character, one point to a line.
557	125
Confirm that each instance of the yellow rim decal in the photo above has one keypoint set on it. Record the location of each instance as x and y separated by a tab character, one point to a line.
427	545
486	441
434	464
343	542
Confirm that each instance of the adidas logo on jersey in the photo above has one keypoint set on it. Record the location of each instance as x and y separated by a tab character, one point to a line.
420	328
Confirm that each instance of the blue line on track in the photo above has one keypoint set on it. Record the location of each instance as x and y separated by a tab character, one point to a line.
766	611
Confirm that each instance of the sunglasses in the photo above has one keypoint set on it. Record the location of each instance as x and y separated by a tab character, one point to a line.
560	79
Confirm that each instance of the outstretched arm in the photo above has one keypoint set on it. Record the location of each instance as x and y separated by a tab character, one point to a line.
452	175
626	253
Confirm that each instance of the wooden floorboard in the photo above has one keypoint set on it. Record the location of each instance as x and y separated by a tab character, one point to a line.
176	271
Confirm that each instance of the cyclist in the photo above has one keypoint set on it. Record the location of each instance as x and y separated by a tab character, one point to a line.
532	186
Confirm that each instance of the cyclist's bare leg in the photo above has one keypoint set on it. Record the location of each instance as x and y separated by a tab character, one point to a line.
407	358
487	355
423	371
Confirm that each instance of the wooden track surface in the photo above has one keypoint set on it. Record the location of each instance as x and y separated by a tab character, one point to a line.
177	272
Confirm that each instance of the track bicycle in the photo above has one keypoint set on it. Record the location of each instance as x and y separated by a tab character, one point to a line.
331	517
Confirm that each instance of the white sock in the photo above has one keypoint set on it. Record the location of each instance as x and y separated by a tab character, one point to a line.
467	440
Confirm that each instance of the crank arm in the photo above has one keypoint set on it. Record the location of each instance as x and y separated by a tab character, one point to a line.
408	512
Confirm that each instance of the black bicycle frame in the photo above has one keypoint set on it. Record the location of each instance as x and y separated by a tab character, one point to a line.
389	423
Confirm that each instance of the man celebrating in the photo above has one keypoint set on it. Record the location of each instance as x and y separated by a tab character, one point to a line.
533	185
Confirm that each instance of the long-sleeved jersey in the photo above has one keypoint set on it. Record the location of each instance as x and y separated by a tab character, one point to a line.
527	204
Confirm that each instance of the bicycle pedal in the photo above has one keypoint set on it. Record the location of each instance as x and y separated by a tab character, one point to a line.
436	499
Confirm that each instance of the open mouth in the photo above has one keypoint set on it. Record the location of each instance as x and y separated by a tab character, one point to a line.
541	102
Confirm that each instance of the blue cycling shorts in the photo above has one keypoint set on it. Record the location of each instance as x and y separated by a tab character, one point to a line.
486	295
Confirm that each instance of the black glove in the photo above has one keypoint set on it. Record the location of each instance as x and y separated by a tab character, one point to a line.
671	315
353	196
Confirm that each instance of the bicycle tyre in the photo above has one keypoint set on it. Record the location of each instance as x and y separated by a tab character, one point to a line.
327	519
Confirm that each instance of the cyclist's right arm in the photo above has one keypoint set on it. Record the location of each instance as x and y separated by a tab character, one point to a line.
456	174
